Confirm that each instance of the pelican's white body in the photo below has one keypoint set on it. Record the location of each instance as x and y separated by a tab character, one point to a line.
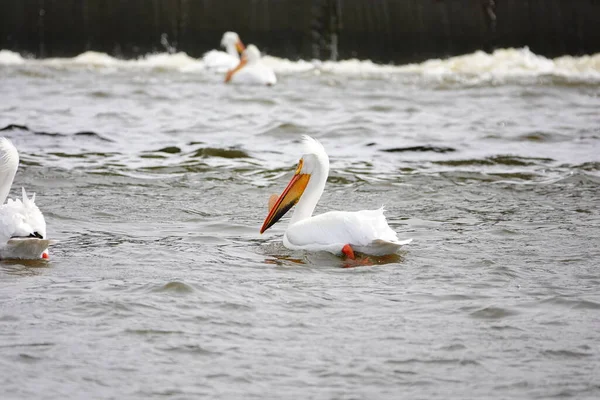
223	61
254	72
367	231
19	218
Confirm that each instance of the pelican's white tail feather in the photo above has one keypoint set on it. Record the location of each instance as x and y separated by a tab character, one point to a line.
27	202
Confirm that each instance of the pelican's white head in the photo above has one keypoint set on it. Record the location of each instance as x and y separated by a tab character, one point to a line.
314	156
309	179
9	162
231	41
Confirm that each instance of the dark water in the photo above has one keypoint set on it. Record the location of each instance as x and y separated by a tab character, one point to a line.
155	184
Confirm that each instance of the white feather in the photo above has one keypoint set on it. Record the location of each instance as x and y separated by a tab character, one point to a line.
19	218
366	231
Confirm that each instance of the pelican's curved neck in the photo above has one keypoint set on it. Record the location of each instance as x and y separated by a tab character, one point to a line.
307	203
232	50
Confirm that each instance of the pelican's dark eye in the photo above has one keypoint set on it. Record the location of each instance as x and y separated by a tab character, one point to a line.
35	235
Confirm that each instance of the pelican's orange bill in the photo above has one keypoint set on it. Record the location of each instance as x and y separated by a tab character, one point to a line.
240	46
287	200
230	73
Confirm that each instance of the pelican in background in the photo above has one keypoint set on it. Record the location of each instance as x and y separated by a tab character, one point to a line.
251	70
223	61
22	225
338	232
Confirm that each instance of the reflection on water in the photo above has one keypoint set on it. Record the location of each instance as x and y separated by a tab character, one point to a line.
155	178
323	259
23	267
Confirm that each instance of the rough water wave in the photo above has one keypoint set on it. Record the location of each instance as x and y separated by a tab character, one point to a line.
154	177
501	66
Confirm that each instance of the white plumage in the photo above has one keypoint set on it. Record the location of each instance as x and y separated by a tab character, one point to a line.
251	70
366	231
22	224
223	61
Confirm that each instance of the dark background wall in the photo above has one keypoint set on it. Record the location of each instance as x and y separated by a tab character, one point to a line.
381	30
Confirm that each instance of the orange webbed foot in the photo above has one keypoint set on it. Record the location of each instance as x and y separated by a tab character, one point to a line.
347	250
351	259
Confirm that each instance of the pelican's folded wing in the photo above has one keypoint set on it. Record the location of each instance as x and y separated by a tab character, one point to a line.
367	231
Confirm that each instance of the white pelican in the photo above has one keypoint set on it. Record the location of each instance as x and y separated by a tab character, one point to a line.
251	70
223	61
22	225
337	232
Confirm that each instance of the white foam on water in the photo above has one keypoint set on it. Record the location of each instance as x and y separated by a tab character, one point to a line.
162	61
8	57
503	65
285	66
355	67
177	61
91	58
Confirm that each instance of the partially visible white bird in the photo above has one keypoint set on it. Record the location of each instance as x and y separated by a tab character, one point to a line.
337	232
22	225
223	61
251	70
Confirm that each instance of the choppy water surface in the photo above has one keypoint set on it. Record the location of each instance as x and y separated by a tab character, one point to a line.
154	178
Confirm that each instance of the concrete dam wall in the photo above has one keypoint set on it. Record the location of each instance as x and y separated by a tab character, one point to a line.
395	31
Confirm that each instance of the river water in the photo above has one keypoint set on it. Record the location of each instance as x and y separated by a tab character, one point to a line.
154	178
